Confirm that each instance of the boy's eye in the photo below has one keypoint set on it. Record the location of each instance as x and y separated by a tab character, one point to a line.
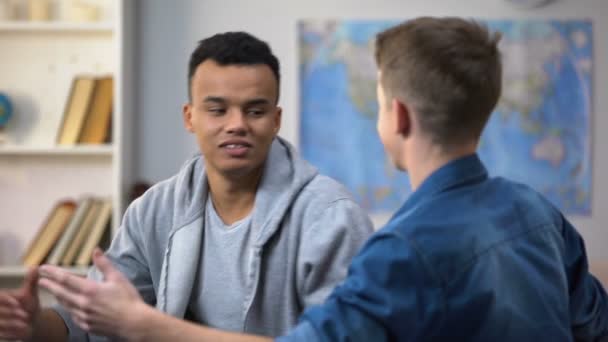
255	112
216	111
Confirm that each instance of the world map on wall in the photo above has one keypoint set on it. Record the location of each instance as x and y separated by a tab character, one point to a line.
539	133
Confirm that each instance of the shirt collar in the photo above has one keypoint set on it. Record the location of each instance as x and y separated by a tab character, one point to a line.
455	173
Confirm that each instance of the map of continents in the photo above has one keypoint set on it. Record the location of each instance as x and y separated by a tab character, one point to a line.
539	133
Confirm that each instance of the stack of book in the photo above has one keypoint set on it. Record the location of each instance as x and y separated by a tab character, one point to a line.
88	112
70	233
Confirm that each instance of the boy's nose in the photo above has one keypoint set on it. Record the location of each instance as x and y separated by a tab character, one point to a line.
236	122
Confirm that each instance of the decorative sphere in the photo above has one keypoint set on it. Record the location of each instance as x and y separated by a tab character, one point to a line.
6	110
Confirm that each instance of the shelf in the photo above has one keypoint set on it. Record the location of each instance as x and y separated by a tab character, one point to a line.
20	271
76	150
56	27
37	67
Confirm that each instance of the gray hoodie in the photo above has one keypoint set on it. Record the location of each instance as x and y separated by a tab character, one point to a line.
310	228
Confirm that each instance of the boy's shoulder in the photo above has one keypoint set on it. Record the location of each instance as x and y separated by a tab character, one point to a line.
320	193
454	228
489	201
325	189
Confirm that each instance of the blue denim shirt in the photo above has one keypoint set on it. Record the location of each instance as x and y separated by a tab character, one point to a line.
466	258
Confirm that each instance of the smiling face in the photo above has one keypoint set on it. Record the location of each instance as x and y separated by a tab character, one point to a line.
234	115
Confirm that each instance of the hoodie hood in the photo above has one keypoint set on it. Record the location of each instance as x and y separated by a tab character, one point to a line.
285	175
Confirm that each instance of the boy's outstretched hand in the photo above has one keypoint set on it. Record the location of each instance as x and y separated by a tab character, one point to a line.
19	309
101	308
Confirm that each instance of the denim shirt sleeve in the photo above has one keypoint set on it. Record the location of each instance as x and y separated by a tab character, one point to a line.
390	293
588	299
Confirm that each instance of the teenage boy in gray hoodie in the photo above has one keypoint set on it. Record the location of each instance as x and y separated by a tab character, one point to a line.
245	236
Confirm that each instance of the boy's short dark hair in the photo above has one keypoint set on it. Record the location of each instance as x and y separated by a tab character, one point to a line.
233	48
448	69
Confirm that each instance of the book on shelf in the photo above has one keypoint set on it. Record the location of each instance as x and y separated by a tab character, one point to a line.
49	233
87	117
97	125
95	236
70	232
76	109
75	246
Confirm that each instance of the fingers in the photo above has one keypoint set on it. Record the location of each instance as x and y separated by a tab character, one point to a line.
8	300
81	320
30	283
64	278
67	297
71	291
14	320
92	324
15	329
7	313
104	265
15	324
66	287
11	308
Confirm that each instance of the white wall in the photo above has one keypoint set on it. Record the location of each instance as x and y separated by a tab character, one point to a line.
170	29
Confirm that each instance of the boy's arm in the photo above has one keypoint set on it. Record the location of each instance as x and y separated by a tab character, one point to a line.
588	299
390	293
328	247
373	303
153	325
114	308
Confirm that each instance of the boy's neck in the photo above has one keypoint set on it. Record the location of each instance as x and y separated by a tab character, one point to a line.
424	159
233	196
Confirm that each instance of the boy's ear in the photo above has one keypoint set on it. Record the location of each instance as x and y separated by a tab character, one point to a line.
277	121
403	117
187	116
